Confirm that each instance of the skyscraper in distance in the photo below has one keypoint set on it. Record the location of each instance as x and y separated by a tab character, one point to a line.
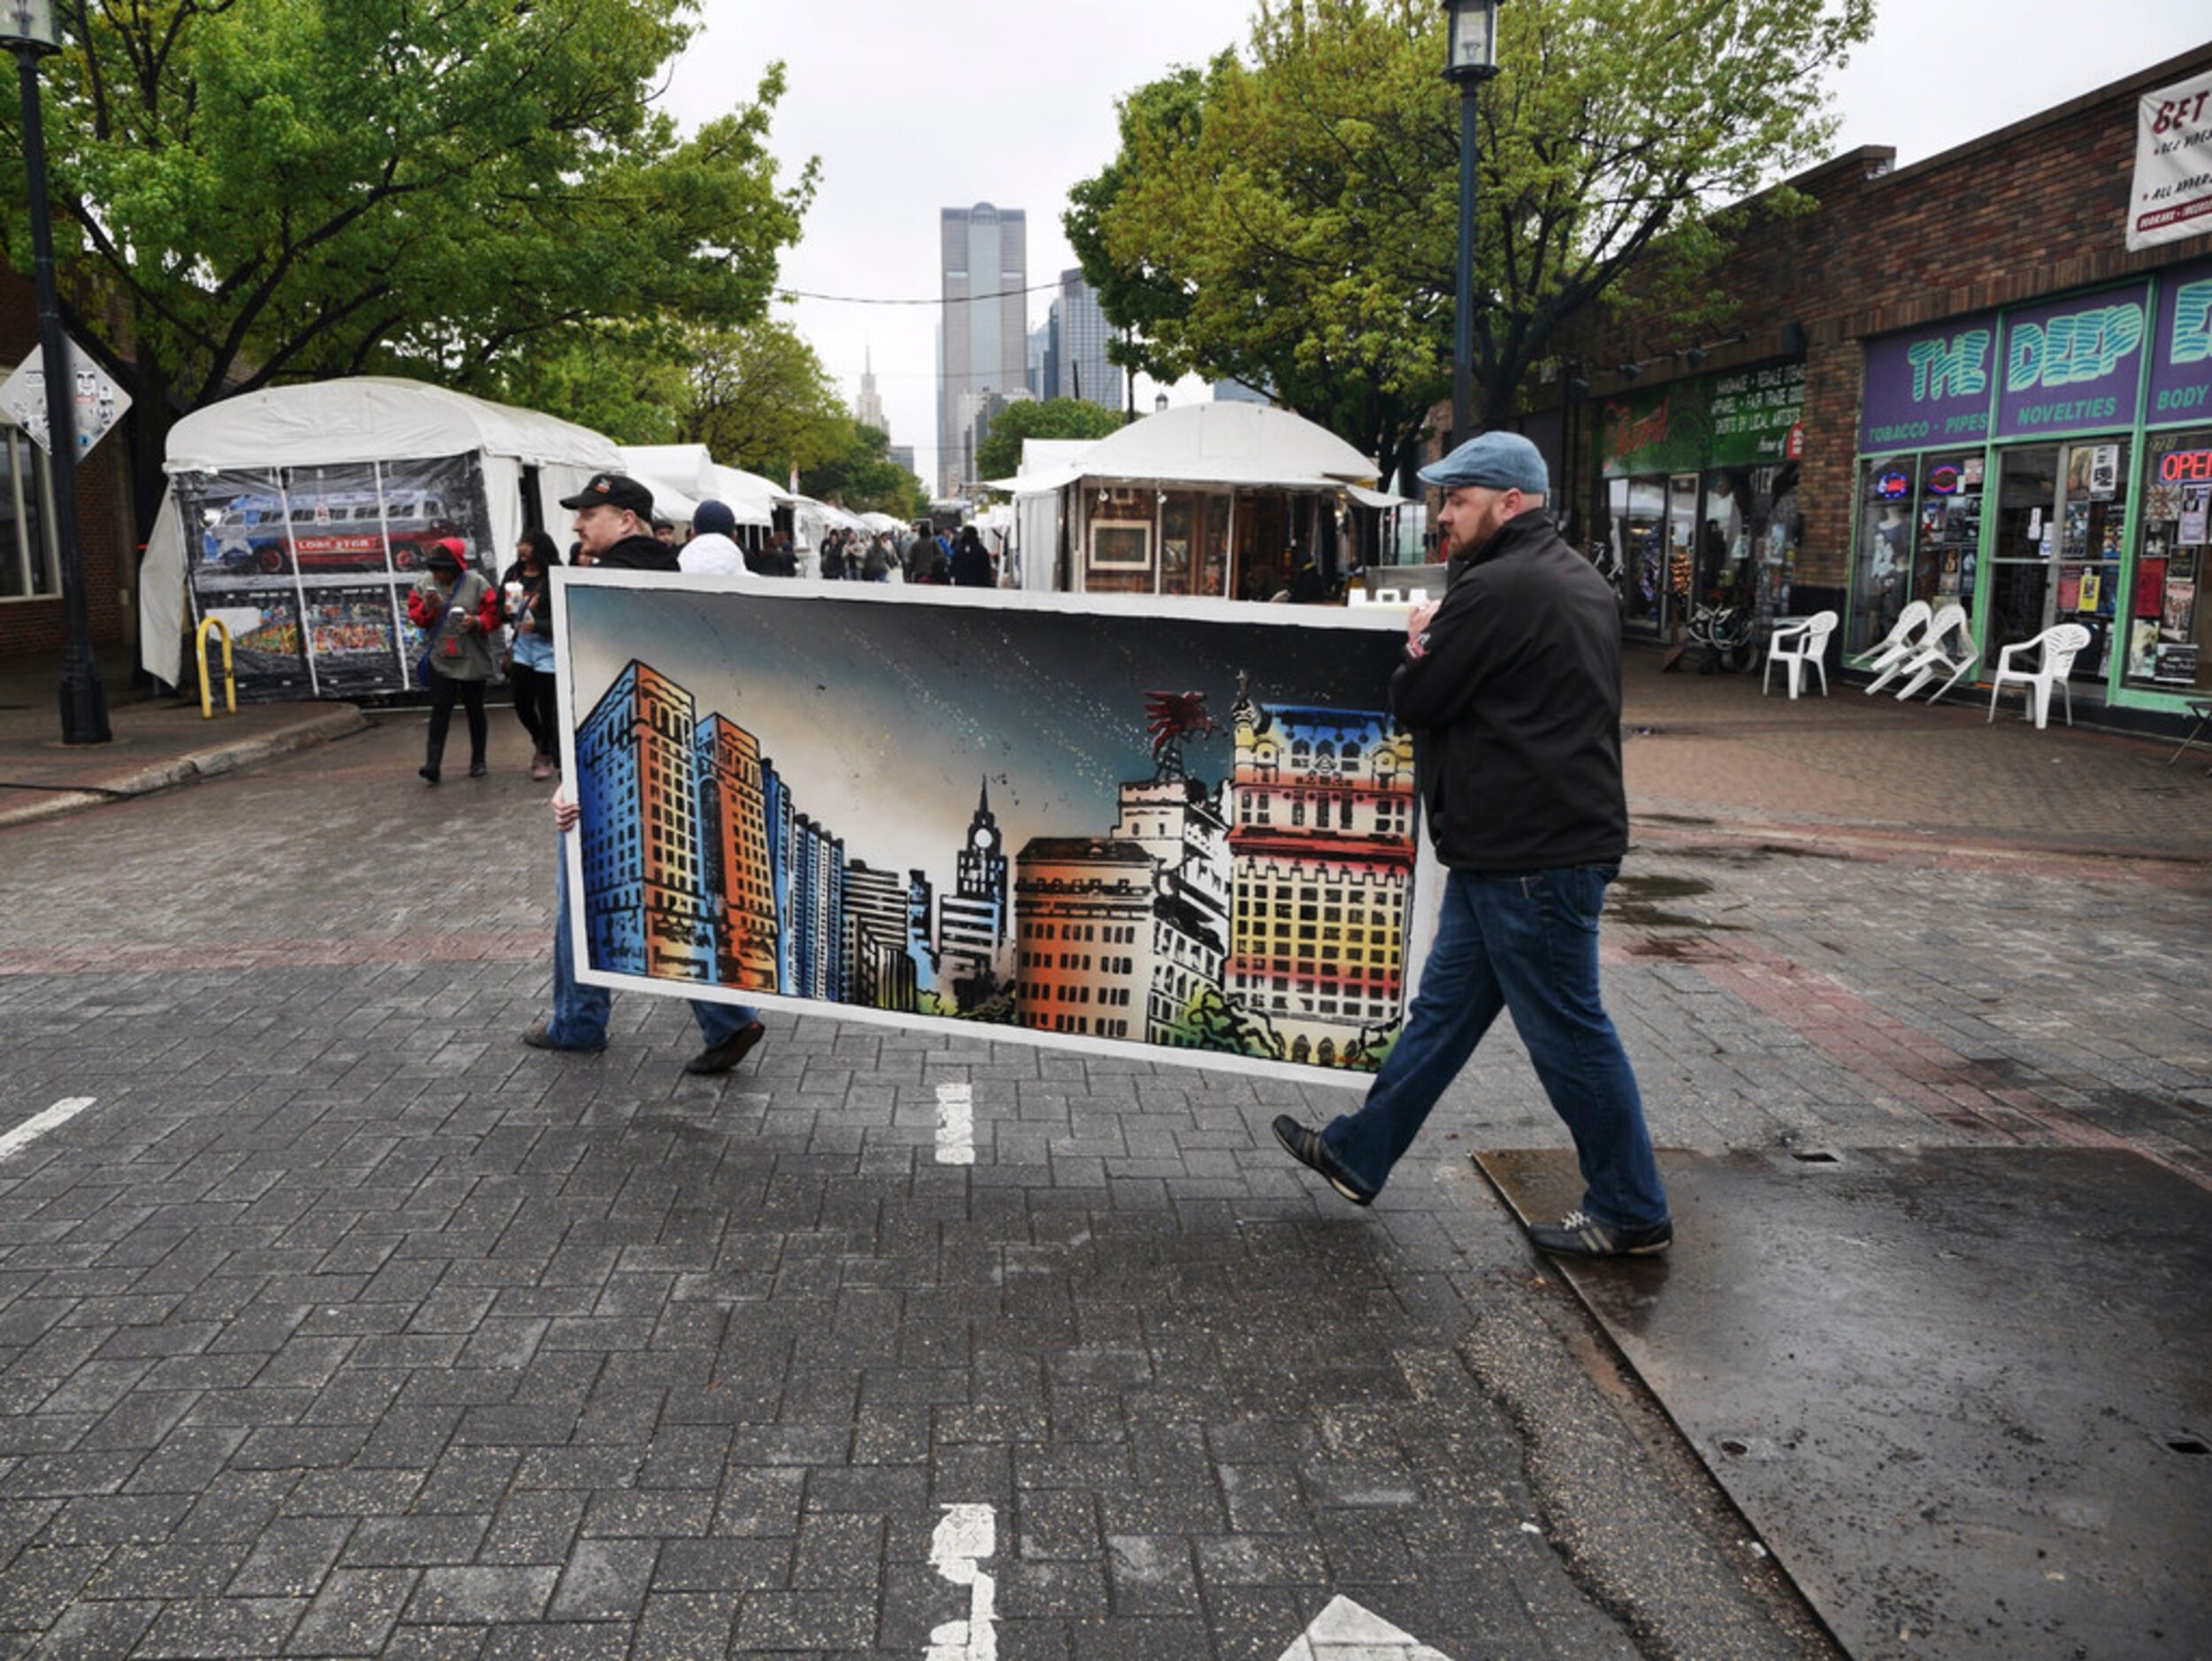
983	269
1081	333
868	408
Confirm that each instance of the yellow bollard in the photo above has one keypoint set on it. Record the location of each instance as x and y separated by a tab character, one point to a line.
229	677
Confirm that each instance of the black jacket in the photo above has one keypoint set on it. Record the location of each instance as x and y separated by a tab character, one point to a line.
638	553
1515	707
539	590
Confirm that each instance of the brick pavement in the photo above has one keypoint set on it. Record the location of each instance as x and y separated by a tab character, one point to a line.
342	1324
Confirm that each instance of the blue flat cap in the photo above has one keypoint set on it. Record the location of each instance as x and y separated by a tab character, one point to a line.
1495	461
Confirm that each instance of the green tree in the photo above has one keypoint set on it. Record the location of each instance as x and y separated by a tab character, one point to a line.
999	455
760	399
1290	218
251	193
863	478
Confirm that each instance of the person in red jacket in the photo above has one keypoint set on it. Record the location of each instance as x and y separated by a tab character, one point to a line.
457	610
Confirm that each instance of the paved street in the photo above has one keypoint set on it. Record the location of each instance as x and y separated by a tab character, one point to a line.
334	1321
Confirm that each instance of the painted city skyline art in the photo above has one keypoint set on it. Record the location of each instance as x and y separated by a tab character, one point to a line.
1185	830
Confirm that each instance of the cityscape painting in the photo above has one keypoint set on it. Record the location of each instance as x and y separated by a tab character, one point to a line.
1080	820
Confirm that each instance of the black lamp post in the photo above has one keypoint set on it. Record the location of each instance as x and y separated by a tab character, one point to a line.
30	30
1473	60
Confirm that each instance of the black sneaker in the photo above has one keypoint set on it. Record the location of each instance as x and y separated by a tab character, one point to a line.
1578	1234
720	1058
1307	1148
540	1037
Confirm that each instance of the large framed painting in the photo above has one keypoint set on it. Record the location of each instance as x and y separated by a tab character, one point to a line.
1185	830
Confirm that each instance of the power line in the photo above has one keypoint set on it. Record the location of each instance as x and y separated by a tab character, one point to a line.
868	299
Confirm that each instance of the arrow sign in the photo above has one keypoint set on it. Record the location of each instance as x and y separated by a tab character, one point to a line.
99	402
1345	1632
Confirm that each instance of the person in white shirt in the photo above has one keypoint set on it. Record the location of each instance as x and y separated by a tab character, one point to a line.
710	550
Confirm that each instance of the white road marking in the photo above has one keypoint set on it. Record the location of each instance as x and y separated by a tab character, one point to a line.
966	1535
956	1124
1345	1632
38	1124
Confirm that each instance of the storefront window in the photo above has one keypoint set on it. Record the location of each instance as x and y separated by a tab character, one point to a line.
26	549
2166	626
1639	543
1947	536
1882	569
2095	515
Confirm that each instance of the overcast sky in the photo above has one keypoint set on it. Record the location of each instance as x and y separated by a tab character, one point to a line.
915	108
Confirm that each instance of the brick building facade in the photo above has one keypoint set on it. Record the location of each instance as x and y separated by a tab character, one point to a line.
1740	462
31	622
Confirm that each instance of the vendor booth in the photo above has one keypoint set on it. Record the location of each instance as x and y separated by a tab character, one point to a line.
299	516
1221	499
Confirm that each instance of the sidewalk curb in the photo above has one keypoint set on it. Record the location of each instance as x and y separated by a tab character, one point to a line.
1874	839
337	720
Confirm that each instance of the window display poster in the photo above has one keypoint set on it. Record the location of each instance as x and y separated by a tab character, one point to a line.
2092	587
2150	588
2196	507
2069	590
2142	646
343	544
2181	608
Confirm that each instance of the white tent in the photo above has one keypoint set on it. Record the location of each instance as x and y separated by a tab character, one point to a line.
1109	501
364	420
1228	444
682	476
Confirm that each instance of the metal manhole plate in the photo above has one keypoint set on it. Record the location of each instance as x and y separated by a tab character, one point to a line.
1957	1391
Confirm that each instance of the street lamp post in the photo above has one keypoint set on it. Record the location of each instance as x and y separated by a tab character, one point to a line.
30	30
1473	60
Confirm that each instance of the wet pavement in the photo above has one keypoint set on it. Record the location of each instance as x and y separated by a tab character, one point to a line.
1962	1393
334	1322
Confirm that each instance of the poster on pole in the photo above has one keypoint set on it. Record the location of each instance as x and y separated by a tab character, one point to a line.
97	402
2171	196
1181	830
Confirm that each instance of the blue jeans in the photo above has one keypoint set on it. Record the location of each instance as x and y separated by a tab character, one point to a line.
1527	944
580	1012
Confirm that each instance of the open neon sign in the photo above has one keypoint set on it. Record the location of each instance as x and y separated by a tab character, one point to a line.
2192	465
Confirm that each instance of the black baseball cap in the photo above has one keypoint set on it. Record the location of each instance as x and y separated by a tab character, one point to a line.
613	490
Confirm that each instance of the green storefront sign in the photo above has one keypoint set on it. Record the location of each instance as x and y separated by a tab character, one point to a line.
1740	418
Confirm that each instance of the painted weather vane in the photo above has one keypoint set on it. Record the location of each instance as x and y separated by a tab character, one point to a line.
1171	717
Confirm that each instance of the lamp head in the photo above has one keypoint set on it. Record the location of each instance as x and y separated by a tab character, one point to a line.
29	23
1472	39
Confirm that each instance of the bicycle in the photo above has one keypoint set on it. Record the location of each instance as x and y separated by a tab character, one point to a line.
1724	634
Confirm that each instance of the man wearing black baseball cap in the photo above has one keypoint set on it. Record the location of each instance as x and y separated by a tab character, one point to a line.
1511	688
614	522
614	526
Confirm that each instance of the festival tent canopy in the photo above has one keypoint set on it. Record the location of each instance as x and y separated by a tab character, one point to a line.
682	476
1228	444
359	421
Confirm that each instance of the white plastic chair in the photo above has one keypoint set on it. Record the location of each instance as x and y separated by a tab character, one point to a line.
1795	642
1906	636
1936	657
2057	646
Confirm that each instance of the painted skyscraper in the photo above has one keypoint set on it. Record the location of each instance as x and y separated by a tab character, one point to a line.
637	783
984	266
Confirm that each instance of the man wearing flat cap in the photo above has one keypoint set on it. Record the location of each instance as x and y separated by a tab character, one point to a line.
614	529
1511	688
